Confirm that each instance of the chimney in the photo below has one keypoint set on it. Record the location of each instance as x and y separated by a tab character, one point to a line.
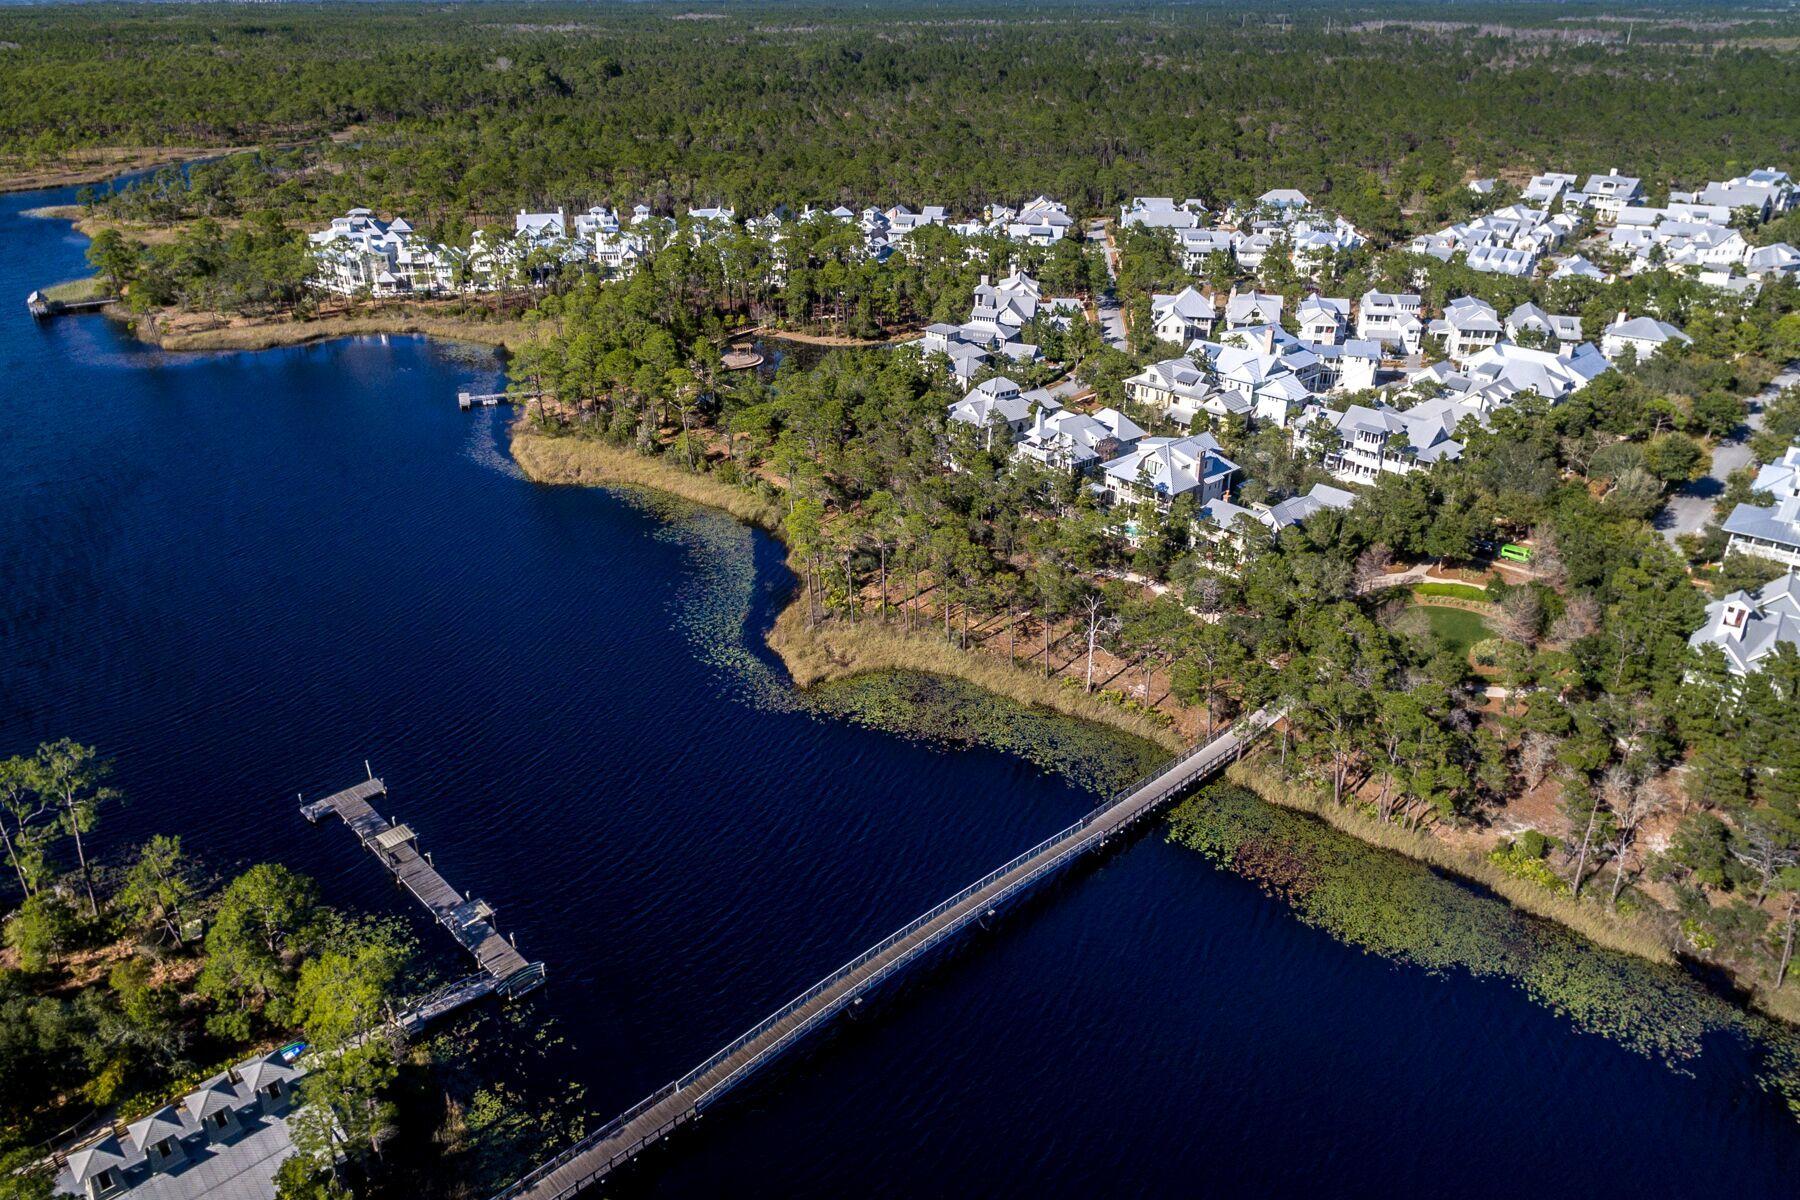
1734	620
1620	319
984	281
1268	339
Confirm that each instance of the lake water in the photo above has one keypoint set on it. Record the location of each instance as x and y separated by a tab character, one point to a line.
242	575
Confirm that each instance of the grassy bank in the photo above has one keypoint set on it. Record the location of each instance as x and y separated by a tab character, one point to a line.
99	164
1402	909
1642	935
204	331
833	651
591	463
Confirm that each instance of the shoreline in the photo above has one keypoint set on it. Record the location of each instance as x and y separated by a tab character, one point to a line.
832	651
104	164
1634	934
249	334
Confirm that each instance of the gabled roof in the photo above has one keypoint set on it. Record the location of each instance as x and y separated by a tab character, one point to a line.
89	1161
165	1122
212	1096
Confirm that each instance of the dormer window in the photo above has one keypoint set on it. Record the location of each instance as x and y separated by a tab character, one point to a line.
166	1147
106	1179
221	1118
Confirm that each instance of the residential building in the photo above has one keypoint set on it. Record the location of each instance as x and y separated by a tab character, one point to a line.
1609	193
1162	469
1547	189
1468	327
1181	390
1750	627
223	1141
1394	319
1781	478
1197	245
1161	212
1323	319
1364	441
1182	317
1556	332
1575	266
358	254
1243	309
1077	442
1771	531
1041	222
998	406
1644	336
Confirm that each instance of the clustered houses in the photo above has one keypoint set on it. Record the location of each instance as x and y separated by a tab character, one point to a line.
223	1141
1506	242
1039	222
1282	220
359	255
996	324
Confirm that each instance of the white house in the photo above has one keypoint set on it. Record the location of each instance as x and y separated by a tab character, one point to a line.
1076	442
1749	627
1609	193
1781	478
1392	318
1323	319
1558	332
1548	188
1161	212
1771	532
1468	327
1180	389
1182	317
1243	309
998	406
1162	469
1644	335
222	1141
1197	245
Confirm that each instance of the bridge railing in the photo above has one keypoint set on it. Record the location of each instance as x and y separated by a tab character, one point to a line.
1241	732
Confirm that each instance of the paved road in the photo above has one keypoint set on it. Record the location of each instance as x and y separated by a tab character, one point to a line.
1689	509
1106	306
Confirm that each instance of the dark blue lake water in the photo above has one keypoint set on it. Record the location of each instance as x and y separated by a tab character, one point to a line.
242	575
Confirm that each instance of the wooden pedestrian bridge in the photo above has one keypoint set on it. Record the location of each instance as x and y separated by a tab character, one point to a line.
596	1156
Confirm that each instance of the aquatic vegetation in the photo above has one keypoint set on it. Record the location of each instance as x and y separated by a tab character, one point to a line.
952	712
1405	911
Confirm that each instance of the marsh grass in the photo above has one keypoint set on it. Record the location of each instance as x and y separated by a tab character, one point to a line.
833	650
585	461
1334	877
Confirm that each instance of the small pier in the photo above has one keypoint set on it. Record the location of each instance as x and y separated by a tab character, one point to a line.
42	307
468	400
504	971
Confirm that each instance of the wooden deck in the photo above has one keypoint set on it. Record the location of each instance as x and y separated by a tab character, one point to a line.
657	1115
396	847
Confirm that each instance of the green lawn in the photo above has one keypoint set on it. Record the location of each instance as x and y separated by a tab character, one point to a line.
1457	627
75	290
1458	591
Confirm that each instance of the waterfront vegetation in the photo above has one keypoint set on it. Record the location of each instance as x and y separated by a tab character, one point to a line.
1404	910
1623	785
124	983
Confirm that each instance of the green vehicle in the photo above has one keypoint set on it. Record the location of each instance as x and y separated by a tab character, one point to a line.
1515	553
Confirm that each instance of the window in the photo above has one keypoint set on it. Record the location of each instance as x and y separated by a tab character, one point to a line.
166	1147
105	1179
221	1118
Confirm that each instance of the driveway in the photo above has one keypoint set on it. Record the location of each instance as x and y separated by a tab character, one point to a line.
1691	508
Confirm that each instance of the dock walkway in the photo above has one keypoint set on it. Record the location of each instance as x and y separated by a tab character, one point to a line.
596	1156
470	921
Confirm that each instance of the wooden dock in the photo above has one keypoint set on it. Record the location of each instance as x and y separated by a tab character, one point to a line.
468	400
470	921
596	1156
43	308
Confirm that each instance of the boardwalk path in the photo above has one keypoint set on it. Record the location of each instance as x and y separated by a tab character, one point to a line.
596	1156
